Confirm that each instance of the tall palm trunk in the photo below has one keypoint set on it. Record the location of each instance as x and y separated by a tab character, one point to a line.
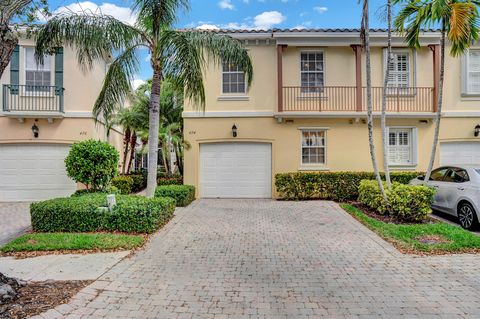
126	142
366	40
154	122
133	144
383	119
439	104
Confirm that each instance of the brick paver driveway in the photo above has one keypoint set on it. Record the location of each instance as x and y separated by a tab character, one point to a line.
14	220
267	259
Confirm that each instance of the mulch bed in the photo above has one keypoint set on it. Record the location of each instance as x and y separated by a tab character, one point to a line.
37	297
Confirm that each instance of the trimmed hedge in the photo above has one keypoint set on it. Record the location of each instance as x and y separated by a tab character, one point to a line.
139	182
337	186
85	214
123	183
409	203
161	181
183	194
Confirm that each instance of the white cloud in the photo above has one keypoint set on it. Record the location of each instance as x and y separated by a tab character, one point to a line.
226	4
268	19
320	9
136	83
121	13
207	26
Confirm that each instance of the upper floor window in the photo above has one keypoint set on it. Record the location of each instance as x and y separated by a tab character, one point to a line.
37	76
312	71
233	79
472	72
399	69
313	146
400	146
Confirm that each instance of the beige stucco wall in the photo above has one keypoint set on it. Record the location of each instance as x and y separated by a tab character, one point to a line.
82	87
346	145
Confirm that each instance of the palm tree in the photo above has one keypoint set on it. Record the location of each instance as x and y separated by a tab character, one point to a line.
383	118
458	23
365	34
181	54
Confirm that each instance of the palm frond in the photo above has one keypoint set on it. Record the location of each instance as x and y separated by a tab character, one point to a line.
462	26
187	54
117	83
156	14
94	36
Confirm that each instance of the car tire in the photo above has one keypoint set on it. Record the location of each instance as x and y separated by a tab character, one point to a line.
467	217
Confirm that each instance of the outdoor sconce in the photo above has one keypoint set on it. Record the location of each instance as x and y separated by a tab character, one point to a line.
234	130
35	130
477	130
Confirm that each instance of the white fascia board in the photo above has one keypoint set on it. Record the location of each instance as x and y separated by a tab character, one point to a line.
226	114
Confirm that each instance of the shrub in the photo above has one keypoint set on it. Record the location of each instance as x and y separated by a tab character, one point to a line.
93	163
407	203
85	214
139	182
338	186
169	181
137	214
123	183
84	192
183	194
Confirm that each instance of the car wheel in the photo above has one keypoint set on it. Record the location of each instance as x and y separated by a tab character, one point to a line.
467	216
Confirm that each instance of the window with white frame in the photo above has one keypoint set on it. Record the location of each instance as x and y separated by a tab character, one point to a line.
472	76
37	76
313	147
400	146
399	68
312	71
233	79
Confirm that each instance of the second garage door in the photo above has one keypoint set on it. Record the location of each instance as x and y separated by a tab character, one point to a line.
460	153
236	170
34	172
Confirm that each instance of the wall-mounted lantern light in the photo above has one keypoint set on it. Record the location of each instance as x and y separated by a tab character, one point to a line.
477	130
234	130
35	130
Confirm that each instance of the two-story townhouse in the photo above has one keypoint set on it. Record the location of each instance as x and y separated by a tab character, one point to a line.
44	109
306	110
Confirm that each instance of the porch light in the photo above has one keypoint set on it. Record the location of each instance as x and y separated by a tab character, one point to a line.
234	130
35	130
477	130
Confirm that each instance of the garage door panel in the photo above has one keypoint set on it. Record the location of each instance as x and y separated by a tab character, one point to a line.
460	153
233	170
34	172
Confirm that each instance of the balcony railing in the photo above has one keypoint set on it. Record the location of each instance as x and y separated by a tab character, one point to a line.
35	99
344	99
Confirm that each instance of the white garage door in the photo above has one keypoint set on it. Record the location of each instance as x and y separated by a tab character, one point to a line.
33	172
236	170
460	153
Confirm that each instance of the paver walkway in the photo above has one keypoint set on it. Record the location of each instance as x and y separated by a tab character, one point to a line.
267	259
14	220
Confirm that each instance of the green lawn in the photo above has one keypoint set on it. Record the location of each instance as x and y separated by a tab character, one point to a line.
73	241
406	237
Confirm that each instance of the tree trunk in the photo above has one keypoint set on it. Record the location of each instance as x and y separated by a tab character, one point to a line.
126	143
133	144
154	123
369	99
179	159
439	105
8	41
383	119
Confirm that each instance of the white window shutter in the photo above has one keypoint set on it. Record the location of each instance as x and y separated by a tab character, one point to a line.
415	146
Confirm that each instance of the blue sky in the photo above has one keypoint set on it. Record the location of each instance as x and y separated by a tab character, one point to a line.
255	14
